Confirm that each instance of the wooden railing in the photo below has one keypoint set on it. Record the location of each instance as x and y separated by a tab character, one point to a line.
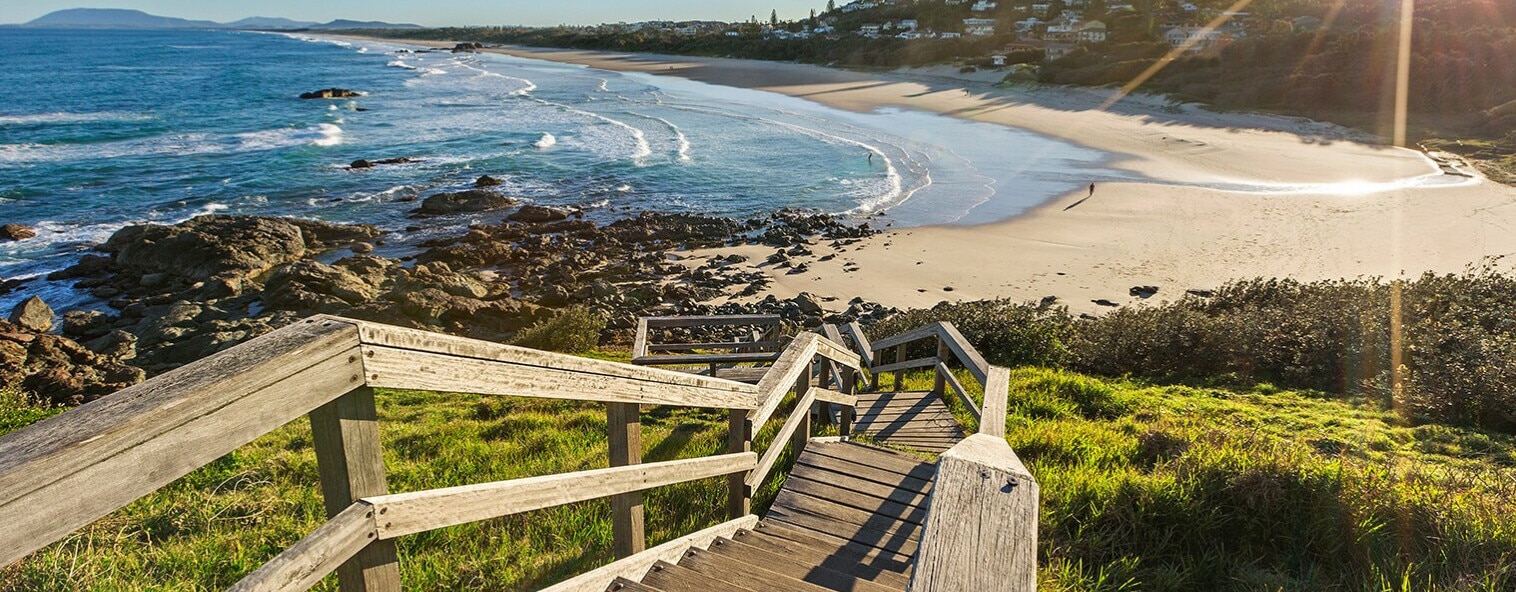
761	344
981	526
65	472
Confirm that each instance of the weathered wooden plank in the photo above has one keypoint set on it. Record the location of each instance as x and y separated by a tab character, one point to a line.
49	507
808	568
906	365
668	577
865	349
838	353
35	455
916	334
304	564
996	391
736	358
639	343
964	351
786	536
390	367
840	556
801	416
408	513
624	427
963	395
374	334
981	530
827	396
719	320
350	461
856	500
739	440
657	347
625	585
793	363
892	542
877	492
848	457
904	520
633	567
731	570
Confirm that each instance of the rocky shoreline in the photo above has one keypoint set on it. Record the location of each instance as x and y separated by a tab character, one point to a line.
175	294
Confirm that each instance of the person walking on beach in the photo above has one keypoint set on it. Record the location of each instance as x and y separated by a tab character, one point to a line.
1092	191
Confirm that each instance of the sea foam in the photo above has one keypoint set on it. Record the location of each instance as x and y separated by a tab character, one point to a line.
546	141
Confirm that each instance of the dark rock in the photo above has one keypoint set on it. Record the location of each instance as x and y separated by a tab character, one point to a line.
1048	301
487	181
33	315
1104	302
470	201
16	232
331	93
1201	293
368	164
808	303
86	324
1143	291
533	214
361	164
230	246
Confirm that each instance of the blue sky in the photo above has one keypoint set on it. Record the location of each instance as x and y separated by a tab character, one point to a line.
447	12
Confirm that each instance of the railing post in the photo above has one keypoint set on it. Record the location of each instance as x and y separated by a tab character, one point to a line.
939	386
803	432
351	463
981	530
824	375
847	386
739	438
900	354
624	421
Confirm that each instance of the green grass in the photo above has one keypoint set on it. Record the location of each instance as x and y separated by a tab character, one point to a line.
1152	487
1144	487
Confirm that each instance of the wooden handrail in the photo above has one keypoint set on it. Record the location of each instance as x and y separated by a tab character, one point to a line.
994	379
409	513
980	531
65	472
306	562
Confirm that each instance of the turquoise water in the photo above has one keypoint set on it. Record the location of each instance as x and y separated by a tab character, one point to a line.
99	129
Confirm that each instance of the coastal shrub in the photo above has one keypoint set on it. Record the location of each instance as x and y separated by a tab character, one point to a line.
1454	338
18	410
1007	333
572	330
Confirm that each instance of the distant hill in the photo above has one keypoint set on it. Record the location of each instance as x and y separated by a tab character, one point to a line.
347	24
265	22
115	18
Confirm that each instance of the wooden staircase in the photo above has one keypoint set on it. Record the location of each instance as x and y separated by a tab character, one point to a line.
849	519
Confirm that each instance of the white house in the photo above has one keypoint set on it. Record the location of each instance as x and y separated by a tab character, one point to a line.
979	27
949	35
911	24
1199	38
1090	32
984	5
997	60
869	30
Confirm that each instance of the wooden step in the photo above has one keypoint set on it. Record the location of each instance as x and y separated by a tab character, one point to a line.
899	560
859	493
784	575
668	577
625	585
837	556
789	501
877	458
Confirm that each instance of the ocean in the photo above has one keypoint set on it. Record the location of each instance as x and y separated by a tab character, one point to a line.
101	129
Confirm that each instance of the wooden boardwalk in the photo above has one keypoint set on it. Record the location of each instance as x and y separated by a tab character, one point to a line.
848	519
918	420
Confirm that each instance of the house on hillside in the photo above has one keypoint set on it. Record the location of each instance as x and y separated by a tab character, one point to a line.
911	24
979	27
984	6
1090	32
949	35
870	31
1198	39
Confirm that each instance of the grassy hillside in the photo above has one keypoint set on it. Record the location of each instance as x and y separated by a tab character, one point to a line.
1145	487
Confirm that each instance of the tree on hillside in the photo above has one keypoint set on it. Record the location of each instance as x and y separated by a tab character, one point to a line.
831	5
774	18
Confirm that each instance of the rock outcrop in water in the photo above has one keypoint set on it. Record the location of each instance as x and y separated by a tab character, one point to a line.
331	93
33	315
16	232
59	370
461	202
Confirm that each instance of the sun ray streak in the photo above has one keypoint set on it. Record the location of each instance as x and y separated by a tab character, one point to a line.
1174	54
1403	71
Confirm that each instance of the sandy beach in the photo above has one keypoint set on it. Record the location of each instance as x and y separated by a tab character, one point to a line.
1231	195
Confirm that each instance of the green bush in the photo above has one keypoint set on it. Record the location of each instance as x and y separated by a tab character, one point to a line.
18	410
1456	348
1006	332
573	330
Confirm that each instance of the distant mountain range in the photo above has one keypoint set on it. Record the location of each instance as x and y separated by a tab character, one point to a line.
115	18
